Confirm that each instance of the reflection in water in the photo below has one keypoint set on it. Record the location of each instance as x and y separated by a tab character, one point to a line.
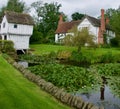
102	90
23	63
103	97
110	101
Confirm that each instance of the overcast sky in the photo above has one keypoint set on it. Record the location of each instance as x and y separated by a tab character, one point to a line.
90	7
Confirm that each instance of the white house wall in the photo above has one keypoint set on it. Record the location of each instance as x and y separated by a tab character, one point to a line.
20	42
4	29
21	29
92	29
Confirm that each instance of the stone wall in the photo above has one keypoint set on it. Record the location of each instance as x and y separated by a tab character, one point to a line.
61	95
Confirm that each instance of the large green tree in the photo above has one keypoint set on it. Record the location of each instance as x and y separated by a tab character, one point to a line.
13	5
114	16
46	18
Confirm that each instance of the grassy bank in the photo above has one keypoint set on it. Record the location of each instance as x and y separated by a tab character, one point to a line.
16	92
44	48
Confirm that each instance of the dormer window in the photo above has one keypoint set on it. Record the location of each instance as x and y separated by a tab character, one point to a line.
15	25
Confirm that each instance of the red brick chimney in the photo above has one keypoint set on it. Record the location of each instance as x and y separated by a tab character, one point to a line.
60	19
101	28
102	21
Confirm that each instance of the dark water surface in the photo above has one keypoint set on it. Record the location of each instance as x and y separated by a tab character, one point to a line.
102	98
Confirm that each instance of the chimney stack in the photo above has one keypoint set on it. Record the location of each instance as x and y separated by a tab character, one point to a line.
60	19
102	20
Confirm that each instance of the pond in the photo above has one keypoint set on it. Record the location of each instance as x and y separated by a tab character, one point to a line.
104	96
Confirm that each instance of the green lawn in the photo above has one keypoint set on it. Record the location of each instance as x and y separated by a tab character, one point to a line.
44	48
16	92
47	48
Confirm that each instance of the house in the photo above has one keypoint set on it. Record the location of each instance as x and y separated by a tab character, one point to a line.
97	27
17	27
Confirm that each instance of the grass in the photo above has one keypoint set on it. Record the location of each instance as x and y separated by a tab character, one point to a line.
47	48
16	92
44	49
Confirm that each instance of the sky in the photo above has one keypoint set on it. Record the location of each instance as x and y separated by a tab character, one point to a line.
89	7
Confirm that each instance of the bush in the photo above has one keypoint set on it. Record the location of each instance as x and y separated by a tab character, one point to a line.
81	57
63	54
114	42
6	46
107	58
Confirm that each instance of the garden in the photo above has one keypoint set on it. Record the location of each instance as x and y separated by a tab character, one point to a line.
93	71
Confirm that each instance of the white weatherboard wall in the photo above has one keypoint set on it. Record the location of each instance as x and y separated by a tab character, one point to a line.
20	42
92	29
21	29
4	29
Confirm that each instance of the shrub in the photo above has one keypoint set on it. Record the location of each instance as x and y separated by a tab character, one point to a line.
107	58
114	42
80	57
63	54
6	46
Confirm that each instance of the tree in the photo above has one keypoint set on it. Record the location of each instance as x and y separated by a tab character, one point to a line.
13	5
79	38
115	24
77	16
109	12
47	16
16	6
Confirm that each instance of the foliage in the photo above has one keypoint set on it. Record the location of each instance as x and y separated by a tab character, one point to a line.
88	58
116	86
36	36
16	92
36	59
47	18
6	46
114	42
77	16
112	73
67	77
114	22
63	54
81	57
80	38
107	70
13	5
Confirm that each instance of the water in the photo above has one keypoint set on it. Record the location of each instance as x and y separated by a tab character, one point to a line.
102	98
23	63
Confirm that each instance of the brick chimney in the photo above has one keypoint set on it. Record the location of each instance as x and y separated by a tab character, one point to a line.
102	21
60	19
101	28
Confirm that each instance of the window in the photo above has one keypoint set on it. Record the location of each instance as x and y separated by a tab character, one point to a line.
15	25
4	25
5	37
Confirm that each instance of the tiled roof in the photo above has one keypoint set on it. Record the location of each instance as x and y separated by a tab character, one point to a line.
65	26
96	22
19	18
